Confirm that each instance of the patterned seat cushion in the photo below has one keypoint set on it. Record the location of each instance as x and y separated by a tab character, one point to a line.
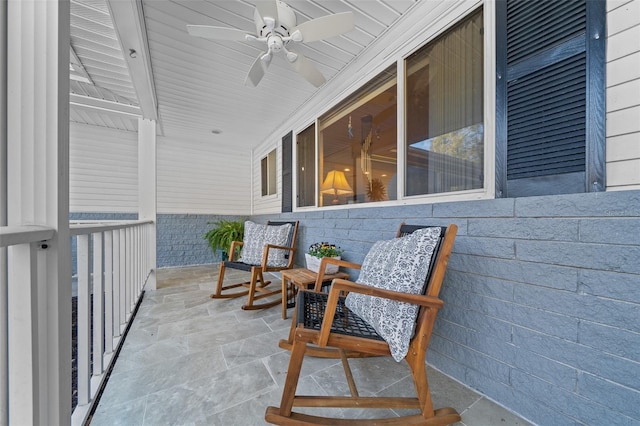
256	236
401	265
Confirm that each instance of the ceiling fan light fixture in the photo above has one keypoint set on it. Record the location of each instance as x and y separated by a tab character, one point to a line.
297	36
291	56
266	58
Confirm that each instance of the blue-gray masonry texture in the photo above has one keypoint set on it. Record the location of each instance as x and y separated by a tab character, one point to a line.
179	239
542	294
542	297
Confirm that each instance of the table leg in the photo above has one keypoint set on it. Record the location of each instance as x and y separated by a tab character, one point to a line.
284	297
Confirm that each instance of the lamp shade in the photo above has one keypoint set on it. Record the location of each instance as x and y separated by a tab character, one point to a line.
336	184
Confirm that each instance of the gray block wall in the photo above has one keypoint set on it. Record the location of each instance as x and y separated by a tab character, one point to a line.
542	298
542	294
179	239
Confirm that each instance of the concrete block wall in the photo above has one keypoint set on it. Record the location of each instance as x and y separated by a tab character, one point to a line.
542	298
179	239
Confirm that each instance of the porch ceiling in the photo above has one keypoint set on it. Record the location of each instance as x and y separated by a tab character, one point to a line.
198	83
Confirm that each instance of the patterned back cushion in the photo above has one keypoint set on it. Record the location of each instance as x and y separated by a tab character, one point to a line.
256	236
401	265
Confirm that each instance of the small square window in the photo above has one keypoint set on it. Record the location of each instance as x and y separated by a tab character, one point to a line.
268	172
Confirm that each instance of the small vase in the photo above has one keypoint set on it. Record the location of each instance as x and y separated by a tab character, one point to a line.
313	264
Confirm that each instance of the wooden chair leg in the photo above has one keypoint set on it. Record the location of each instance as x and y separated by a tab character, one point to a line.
348	374
220	287
221	272
293	375
420	381
255	276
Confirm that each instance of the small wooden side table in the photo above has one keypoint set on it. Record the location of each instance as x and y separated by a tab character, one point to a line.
300	278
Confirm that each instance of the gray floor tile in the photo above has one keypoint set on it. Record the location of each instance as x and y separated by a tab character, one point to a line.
193	360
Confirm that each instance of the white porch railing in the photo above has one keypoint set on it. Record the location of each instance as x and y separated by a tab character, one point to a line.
112	269
113	265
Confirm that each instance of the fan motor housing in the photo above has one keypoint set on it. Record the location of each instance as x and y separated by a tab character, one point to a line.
286	20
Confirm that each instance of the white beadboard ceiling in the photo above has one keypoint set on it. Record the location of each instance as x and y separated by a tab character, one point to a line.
198	83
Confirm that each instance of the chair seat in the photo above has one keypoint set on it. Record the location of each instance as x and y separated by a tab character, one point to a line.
239	265
311	307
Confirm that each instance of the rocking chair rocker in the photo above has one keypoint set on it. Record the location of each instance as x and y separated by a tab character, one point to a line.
264	263
332	321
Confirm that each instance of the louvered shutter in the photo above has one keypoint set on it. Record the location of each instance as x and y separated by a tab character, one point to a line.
550	97
287	175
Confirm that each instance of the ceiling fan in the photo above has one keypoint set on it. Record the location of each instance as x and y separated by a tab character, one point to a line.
276	26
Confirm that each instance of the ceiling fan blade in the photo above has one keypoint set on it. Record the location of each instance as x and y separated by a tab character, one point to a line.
326	26
217	33
306	69
256	72
267	9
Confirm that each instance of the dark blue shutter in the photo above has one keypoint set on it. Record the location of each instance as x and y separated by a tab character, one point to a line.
287	173
548	141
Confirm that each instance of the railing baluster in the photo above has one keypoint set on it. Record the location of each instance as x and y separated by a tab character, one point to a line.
83	320
117	248
108	291
98	301
139	278
122	316
129	280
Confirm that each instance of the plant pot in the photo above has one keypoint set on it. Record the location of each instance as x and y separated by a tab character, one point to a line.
313	264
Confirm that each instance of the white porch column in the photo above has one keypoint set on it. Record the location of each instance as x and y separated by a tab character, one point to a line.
38	193
147	182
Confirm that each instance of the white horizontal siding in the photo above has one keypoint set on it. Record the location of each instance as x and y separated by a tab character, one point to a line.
193	177
203	177
103	169
623	94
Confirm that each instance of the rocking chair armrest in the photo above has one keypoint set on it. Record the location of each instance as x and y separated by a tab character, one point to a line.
331	261
232	249
267	247
273	246
416	299
339	286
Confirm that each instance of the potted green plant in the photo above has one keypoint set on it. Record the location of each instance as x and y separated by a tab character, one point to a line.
223	234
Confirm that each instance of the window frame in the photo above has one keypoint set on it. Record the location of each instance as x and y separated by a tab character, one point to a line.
453	17
269	174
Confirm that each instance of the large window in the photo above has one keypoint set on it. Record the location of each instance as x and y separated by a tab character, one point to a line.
444	112
358	145
306	154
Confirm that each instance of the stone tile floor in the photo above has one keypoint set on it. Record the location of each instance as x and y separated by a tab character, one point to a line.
190	359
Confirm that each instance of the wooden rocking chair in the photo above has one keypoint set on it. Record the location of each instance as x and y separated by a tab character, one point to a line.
321	285
325	321
256	283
